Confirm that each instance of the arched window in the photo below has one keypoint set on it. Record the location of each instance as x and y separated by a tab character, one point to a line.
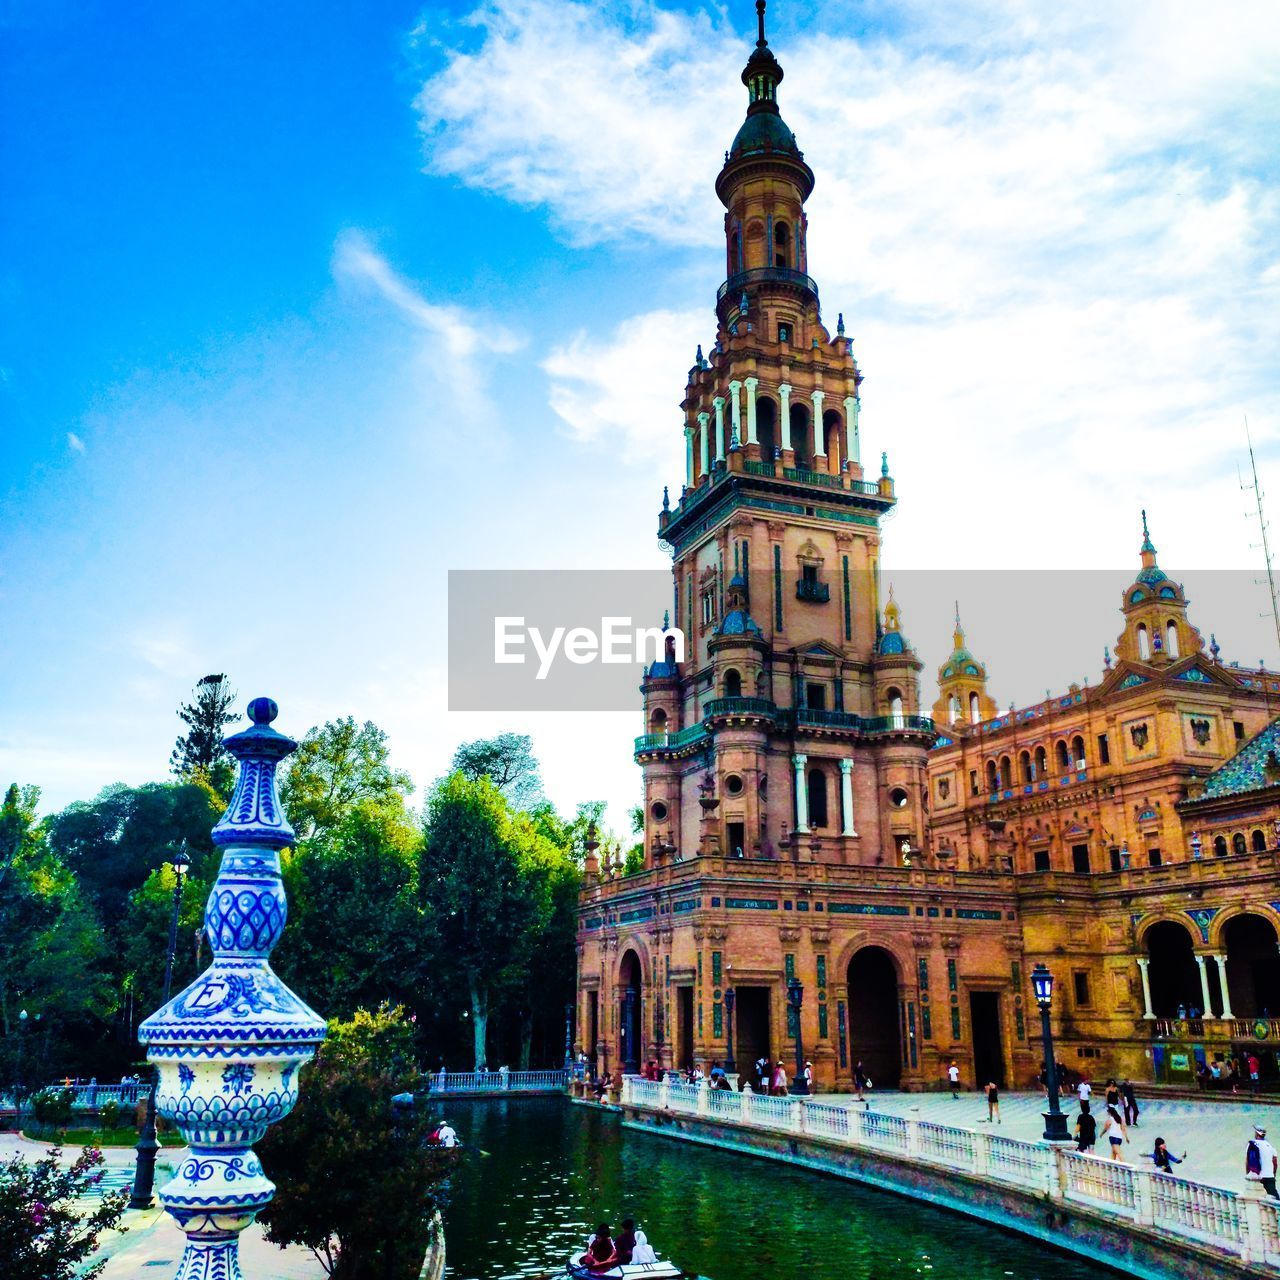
1238	844
1077	751
732	684
993	777
975	709
800	437
658	721
817	798
1064	760
781	245
833	439
1171	638
1024	766
894	698
1042	763
1219	846
767	427
735	253
954	713
1258	840
1144	642
1006	772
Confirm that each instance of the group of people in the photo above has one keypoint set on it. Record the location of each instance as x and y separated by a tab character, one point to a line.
990	1090
606	1251
1227	1073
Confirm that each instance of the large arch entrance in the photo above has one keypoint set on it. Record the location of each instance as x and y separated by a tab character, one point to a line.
1253	967
874	1036
1175	980
630	1019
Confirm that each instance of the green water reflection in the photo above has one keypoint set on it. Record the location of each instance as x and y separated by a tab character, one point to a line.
555	1169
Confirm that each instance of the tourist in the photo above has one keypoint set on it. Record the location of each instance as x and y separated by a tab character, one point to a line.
1084	1089
1113	1094
993	1103
625	1244
1215	1073
806	1077
1130	1103
953	1078
602	1086
642	1252
1113	1128
1260	1162
762	1074
601	1253
778	1081
1255	1072
696	1076
1233	1074
859	1079
1086	1129
1202	1076
1182	1013
1163	1158
717	1074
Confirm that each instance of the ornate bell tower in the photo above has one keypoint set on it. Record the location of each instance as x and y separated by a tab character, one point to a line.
789	730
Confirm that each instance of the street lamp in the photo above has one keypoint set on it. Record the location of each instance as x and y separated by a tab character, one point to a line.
144	1173
630	1046
568	1037
1055	1123
795	998
730	999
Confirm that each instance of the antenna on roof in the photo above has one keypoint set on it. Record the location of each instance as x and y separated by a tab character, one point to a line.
1262	524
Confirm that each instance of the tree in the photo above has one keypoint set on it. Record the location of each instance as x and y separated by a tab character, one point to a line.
377	1224
475	886
508	762
340	767
45	1233
199	752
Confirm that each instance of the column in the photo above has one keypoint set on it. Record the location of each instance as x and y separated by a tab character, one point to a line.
1222	983
851	406
846	797
751	384
719	404
704	420
1204	986
1143	962
735	408
802	793
688	456
784	416
819	435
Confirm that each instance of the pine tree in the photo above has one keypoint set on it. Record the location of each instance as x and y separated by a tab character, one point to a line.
199	752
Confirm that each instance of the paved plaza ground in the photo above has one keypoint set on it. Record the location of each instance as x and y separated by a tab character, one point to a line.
1212	1133
153	1238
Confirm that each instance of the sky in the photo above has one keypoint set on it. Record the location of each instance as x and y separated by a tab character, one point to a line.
303	306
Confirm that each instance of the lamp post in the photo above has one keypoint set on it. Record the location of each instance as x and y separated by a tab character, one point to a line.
795	998
144	1173
1055	1123
568	1037
630	1048
730	999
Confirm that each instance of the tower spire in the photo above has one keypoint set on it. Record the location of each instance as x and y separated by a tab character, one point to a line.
761	42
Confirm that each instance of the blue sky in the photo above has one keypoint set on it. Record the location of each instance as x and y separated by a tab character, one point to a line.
305	305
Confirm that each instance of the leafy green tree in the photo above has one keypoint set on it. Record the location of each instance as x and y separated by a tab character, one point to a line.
508	762
340	767
45	1232
52	951
145	936
356	934
199	752
377	1224
474	885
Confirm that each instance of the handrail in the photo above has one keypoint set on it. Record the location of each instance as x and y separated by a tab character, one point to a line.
739	707
498	1081
735	284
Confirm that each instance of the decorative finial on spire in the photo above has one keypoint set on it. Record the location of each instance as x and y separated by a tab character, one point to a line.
884	464
1145	533
957	615
743	305
1214	647
697	360
666	619
1106	656
761	42
666	499
840	325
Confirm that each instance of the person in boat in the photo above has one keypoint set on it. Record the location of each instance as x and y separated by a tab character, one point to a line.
642	1250
601	1253
625	1242
446	1135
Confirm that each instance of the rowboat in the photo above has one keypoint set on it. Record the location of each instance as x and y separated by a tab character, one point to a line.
631	1271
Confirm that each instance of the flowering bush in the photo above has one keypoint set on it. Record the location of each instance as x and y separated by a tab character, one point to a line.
44	1233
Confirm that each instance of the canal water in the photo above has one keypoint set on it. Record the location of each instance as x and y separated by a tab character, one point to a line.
551	1170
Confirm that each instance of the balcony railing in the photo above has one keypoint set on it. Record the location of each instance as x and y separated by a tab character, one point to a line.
813	592
759	468
898	724
740	707
735	285
812	477
670	741
828	719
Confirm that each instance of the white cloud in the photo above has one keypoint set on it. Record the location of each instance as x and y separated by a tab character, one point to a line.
74	443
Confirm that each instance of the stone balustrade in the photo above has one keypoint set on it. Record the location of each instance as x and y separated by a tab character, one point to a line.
1240	1227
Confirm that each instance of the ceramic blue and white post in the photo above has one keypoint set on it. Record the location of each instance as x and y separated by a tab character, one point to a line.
229	1047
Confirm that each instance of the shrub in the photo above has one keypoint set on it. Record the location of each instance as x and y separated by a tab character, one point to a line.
52	1107
110	1114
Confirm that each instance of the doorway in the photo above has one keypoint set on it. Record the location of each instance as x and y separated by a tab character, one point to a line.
684	1027
593	1028
988	1044
751	1028
874	1031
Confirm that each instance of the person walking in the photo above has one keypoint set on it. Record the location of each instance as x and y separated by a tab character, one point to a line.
953	1077
1084	1089
1130	1103
1162	1157
1114	1130
1255	1073
993	1103
860	1081
1086	1129
778	1085
806	1075
1260	1162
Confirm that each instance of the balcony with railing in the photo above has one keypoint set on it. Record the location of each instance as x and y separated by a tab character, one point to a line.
679	741
740	707
813	591
737	284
